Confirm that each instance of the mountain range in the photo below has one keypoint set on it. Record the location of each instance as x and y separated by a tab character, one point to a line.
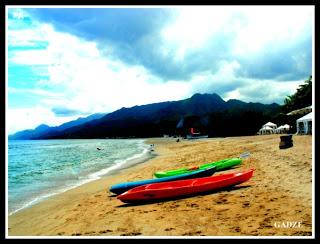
209	113
43	131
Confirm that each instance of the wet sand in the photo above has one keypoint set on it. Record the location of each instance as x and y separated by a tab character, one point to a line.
278	195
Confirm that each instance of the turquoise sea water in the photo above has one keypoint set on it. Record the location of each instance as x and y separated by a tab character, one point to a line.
38	169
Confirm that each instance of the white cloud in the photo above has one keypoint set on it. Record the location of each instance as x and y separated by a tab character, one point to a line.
263	91
270	26
251	28
31	35
18	13
193	27
40	92
226	83
30	57
28	118
219	82
90	82
235	94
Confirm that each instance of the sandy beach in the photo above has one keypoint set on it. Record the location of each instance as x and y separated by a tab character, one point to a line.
280	191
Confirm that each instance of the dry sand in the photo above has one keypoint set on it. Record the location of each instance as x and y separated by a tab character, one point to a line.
279	192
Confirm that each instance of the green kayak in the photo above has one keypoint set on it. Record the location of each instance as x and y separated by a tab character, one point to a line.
220	165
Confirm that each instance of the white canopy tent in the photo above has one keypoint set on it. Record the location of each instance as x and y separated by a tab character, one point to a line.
286	126
304	124
266	130
270	124
283	128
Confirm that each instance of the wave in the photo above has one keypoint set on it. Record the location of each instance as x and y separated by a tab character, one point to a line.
118	165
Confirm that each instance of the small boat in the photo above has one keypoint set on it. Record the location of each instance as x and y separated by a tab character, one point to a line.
220	165
192	137
195	135
125	186
178	188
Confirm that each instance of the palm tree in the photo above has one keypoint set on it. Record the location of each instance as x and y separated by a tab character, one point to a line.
302	97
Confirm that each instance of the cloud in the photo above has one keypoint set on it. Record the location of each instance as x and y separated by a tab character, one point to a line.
281	63
220	82
63	112
263	91
79	80
18	119
30	57
105	59
35	91
117	24
179	42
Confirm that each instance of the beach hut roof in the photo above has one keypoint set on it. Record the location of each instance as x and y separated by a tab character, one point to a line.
307	117
286	126
270	124
301	110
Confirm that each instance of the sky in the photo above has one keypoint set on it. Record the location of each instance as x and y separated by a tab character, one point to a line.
65	63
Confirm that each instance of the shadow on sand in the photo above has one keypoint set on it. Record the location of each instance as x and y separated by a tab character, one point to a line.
145	202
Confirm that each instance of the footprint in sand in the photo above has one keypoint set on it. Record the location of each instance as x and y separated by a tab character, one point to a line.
254	233
132	234
168	229
174	206
105	231
191	233
246	204
237	229
193	205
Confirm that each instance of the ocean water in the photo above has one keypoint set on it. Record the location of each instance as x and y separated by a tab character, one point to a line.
38	169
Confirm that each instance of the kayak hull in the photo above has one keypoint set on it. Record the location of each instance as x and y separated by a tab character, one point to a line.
220	165
178	188
125	186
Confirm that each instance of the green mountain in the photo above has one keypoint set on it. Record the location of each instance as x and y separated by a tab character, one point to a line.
208	113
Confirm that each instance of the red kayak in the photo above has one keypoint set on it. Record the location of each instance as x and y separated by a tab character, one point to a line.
184	187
